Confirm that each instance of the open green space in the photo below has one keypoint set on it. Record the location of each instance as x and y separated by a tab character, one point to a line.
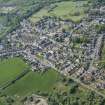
100	63
20	9
61	89
34	82
65	91
66	10
10	68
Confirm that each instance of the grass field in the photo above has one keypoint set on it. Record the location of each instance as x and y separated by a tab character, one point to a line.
50	82
10	68
65	10
10	19
33	82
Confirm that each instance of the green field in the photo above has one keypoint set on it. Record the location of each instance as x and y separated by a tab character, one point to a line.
10	68
10	20
65	10
50	82
34	82
101	62
31	82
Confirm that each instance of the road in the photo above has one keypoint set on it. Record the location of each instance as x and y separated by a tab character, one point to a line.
76	80
88	87
95	54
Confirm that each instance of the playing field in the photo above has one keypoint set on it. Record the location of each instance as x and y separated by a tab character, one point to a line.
33	82
10	68
66	10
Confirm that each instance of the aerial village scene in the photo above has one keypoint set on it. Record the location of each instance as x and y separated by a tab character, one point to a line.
58	53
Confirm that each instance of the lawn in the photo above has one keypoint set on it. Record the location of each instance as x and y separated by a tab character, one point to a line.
34	82
10	68
65	10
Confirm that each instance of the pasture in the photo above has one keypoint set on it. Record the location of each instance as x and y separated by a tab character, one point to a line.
66	10
10	68
34	82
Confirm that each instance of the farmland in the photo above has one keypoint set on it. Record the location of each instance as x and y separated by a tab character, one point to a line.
54	50
14	11
34	82
74	11
10	68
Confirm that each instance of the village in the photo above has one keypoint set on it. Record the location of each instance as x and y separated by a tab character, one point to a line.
68	47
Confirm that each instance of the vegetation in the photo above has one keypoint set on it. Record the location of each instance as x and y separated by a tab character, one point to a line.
57	89
99	2
10	68
22	10
34	82
101	63
65	91
74	95
100	28
66	10
81	39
